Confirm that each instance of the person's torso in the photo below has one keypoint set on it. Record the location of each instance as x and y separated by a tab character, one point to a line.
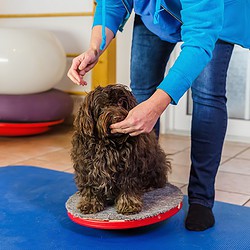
235	27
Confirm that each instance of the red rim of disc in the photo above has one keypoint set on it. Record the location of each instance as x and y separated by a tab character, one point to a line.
20	129
125	224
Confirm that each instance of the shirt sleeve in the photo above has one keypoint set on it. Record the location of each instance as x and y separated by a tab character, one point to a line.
202	23
115	14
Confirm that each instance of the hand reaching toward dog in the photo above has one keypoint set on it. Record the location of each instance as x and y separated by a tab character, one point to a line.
144	116
87	60
140	119
81	65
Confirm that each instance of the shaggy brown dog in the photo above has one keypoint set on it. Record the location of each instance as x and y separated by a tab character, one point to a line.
113	168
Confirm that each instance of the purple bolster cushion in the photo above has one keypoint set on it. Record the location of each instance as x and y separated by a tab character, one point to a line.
41	107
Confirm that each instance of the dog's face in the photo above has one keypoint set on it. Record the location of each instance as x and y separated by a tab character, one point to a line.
103	107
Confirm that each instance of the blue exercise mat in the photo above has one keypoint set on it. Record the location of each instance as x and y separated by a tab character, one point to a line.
33	216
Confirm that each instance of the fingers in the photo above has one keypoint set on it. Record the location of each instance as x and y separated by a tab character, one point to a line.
74	74
136	133
125	128
80	66
138	121
119	127
130	131
87	61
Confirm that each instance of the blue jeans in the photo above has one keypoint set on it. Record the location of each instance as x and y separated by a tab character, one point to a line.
149	57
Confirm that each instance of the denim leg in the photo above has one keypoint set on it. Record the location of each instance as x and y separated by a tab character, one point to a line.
209	123
149	56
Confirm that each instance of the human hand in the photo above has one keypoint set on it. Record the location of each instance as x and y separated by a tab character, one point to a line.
143	117
140	119
81	65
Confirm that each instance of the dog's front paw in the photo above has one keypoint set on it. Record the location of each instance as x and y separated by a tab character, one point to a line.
90	206
127	204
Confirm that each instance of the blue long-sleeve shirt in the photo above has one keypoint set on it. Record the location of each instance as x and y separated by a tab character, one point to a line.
198	24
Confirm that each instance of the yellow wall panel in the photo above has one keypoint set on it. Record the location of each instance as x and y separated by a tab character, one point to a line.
104	72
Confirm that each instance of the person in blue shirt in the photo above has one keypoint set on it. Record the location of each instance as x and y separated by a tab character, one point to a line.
208	30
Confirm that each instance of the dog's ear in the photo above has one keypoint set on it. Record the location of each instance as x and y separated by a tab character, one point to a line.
131	100
84	121
125	97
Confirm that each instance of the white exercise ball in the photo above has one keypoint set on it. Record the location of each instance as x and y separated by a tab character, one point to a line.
31	61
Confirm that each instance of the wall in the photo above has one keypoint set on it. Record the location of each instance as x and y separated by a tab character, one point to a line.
70	21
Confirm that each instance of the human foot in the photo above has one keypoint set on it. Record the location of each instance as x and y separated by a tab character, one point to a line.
199	218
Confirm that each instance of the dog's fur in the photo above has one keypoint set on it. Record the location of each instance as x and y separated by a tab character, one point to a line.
113	168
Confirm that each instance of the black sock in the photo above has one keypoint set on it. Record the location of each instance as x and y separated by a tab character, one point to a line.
199	218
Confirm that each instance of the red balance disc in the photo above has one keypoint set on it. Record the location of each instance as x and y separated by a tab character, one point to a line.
158	205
